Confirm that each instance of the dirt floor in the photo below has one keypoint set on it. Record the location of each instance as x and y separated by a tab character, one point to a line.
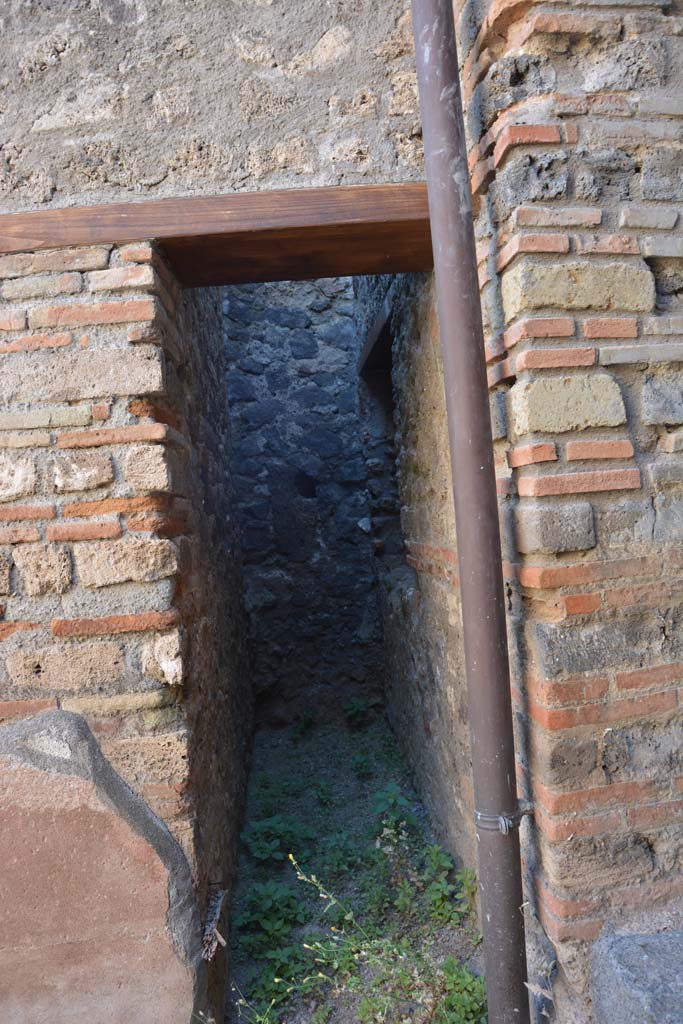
347	910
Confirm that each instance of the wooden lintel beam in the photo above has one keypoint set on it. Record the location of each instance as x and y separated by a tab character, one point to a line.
295	234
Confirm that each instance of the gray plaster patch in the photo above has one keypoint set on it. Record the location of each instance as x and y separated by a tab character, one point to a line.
638	978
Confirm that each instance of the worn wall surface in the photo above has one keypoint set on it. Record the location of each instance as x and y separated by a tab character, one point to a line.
116	99
577	170
301	498
117	544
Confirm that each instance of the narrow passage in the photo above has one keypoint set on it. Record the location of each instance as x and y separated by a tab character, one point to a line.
346	910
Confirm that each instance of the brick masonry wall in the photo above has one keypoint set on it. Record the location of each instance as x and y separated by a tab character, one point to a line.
301	487
117	542
576	167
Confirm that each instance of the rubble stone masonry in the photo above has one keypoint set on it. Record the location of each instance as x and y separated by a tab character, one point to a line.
116	548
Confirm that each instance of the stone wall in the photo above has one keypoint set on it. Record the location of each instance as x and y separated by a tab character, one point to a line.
576	169
301	498
106	100
117	545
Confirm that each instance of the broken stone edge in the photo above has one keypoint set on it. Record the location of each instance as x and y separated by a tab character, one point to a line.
60	742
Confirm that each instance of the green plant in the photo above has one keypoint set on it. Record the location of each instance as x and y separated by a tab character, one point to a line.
323	791
356	712
269	913
361	766
464	996
275	837
392	808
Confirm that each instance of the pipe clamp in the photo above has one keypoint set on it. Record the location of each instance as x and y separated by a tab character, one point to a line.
503	822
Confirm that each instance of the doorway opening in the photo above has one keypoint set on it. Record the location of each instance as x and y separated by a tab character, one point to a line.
320	445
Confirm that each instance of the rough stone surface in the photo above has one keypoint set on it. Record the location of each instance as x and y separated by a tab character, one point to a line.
559	404
5	574
104	901
663	400
555	528
534	284
302	500
82	471
638	977
146	468
64	376
104	564
17	476
162	658
91	137
43	568
69	667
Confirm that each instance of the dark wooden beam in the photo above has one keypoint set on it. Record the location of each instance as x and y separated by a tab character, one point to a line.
296	234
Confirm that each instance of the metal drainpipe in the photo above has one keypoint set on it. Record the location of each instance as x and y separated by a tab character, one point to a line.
497	811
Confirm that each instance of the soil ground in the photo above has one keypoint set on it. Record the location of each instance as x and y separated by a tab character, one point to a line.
371	922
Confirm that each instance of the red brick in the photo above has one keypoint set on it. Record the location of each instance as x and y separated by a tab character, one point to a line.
81	313
136	253
12	319
611	327
121	278
656	814
579	483
563	906
645	596
560	930
617	449
25	708
546	243
17	513
579	800
540	216
33	342
481	175
582	604
19	535
106	506
113	435
608	244
101	410
84	531
569	691
164	526
499	372
644	678
547	358
542	577
8	629
526	454
602	714
112	624
539	327
524	135
558	830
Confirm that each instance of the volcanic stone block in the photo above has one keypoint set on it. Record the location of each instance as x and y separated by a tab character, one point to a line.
82	471
558	404
638	978
616	285
555	528
17	477
44	568
103	564
68	667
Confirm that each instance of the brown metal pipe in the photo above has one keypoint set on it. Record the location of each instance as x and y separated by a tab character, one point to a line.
476	512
